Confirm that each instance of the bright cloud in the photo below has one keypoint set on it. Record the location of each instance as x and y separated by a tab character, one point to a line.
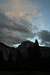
20	8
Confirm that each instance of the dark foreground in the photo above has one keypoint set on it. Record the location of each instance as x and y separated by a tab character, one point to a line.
27	58
13	69
24	73
43	65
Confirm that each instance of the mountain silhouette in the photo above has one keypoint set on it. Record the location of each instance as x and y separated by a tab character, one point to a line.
26	53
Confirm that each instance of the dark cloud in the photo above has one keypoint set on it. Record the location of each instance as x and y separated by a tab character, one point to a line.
14	30
45	37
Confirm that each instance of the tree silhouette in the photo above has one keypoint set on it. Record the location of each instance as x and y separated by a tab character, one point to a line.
37	51
36	42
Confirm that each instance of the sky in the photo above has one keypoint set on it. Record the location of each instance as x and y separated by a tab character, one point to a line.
25	20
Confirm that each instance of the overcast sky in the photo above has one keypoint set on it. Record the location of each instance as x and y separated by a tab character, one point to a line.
25	19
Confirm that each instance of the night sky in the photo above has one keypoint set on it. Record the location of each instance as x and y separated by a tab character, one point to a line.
25	20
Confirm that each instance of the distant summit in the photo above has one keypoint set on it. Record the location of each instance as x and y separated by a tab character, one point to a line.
28	43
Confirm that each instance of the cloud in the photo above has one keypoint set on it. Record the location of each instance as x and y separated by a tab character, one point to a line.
17	20
17	5
24	14
45	37
14	30
20	8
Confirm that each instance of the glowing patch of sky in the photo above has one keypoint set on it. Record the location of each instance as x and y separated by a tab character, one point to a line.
44	19
15	45
33	40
